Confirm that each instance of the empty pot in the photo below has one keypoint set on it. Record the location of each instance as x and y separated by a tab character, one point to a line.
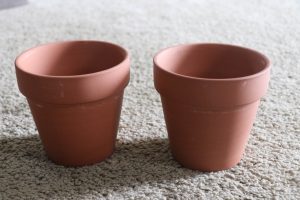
210	94
75	90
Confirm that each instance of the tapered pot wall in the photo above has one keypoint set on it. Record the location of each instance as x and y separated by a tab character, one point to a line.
76	135
208	140
75	91
210	94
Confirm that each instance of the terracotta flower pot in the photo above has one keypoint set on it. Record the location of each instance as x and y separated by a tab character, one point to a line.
210	94
74	90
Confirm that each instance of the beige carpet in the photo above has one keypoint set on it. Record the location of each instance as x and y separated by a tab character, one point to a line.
142	167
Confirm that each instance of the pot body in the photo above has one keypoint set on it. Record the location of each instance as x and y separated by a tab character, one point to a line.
78	134
209	140
76	99
209	112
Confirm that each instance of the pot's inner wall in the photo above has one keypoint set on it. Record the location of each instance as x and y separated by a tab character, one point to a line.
71	58
211	61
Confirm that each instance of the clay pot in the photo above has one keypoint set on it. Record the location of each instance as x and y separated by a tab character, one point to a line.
210	94
75	90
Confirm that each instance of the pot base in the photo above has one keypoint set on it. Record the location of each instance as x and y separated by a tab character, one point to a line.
204	167
82	163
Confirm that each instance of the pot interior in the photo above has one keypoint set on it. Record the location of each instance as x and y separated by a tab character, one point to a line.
215	61
71	58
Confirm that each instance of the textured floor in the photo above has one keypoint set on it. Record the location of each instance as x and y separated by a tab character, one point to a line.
142	167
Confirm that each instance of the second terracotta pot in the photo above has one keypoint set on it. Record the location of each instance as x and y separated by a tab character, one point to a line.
75	90
210	94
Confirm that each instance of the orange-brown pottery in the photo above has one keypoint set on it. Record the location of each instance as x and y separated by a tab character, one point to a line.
75	90
210	94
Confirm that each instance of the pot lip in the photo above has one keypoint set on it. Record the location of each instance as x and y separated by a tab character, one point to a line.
17	64
268	62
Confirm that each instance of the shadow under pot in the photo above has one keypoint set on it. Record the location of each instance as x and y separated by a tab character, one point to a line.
75	90
210	94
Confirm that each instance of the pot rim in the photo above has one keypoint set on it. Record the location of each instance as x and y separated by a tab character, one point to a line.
24	53
267	67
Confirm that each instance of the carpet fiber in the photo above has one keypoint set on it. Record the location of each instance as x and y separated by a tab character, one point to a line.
142	166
